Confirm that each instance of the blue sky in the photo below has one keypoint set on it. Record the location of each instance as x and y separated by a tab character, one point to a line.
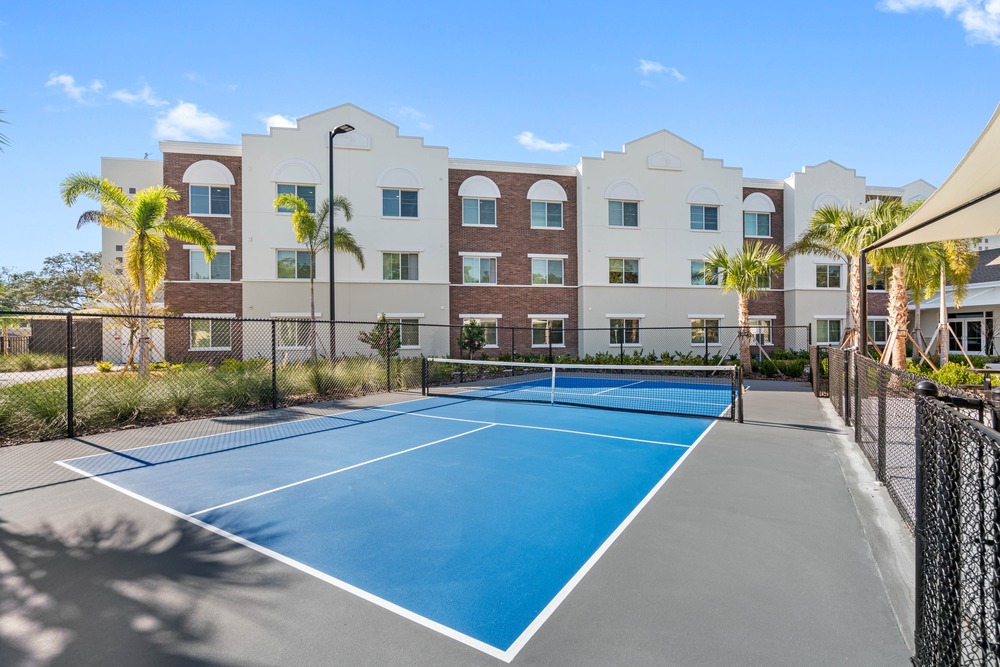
897	89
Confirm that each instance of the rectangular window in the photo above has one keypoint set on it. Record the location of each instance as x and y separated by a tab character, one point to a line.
306	192
209	200
623	213
764	282
878	331
479	270
399	203
757	224
294	264
217	269
700	277
761	331
877	281
828	275
293	334
546	271
544	332
547	214
624	331
479	212
489	327
399	266
703	331
623	271
705	218
828	332
409	331
211	335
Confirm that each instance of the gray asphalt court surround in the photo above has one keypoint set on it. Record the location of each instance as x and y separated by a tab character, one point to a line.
769	545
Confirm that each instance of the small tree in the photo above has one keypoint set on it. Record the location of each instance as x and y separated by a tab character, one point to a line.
472	337
384	338
6	323
119	299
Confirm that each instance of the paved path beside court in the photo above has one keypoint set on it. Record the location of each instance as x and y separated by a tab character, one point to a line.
751	554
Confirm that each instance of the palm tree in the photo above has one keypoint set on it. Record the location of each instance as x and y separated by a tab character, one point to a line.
744	272
143	218
314	232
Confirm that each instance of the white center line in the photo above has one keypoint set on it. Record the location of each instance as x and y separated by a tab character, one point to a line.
340	470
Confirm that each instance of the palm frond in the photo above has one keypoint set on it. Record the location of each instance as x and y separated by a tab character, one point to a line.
101	190
189	230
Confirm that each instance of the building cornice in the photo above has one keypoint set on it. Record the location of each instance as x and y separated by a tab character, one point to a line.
512	167
763	184
199	148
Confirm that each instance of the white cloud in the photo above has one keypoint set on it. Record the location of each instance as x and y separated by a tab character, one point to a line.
533	143
979	18
648	67
277	120
417	116
144	96
184	122
70	87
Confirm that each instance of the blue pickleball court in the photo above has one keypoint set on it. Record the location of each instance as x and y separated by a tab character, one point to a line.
474	518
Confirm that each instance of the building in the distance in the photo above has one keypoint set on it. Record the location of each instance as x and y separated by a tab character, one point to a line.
594	257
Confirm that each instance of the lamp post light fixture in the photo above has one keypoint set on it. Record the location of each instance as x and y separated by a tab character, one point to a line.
343	129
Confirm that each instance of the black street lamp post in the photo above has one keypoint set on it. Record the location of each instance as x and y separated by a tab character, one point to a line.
343	129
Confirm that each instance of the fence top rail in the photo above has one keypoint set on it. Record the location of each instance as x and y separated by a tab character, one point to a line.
587	367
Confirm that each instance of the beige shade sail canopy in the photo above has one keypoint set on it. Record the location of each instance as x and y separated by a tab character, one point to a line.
967	205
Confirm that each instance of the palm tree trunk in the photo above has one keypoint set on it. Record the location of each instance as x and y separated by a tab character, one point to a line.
898	320
743	320
943	333
313	342
856	283
143	324
916	327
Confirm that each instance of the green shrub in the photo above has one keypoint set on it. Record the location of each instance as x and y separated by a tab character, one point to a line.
955	374
977	360
31	361
104	366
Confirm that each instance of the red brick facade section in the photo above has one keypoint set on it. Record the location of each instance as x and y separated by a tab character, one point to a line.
185	297
772	302
514	297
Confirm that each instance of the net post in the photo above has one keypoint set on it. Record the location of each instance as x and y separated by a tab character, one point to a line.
423	375
69	376
552	392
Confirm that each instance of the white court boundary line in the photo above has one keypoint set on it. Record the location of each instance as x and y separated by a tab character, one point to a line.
505	655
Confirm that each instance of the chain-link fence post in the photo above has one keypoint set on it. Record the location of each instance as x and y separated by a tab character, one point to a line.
881	391
69	376
274	361
922	389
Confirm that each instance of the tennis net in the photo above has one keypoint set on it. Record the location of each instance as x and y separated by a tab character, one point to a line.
704	391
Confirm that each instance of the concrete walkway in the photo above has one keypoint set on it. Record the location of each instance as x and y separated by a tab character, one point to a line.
753	553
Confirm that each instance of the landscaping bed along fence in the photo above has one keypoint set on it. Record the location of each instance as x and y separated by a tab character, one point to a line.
937	450
81	372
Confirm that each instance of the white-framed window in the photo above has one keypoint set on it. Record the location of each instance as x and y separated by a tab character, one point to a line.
545	271
546	214
306	192
623	271
764	282
828	275
489	328
211	335
479	212
399	203
700	277
209	199
624	330
878	331
761	330
546	331
293	334
218	269
479	270
877	280
623	213
294	264
705	218
828	331
400	266
409	331
756	224
704	330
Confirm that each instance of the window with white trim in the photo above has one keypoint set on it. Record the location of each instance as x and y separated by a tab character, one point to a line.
479	212
211	334
764	281
546	271
547	214
409	331
306	192
479	270
293	334
400	266
704	218
218	269
292	264
399	203
624	330
699	276
209	199
828	275
623	271
756	224
546	332
489	328
704	330
877	280
761	330
828	332
878	331
623	213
